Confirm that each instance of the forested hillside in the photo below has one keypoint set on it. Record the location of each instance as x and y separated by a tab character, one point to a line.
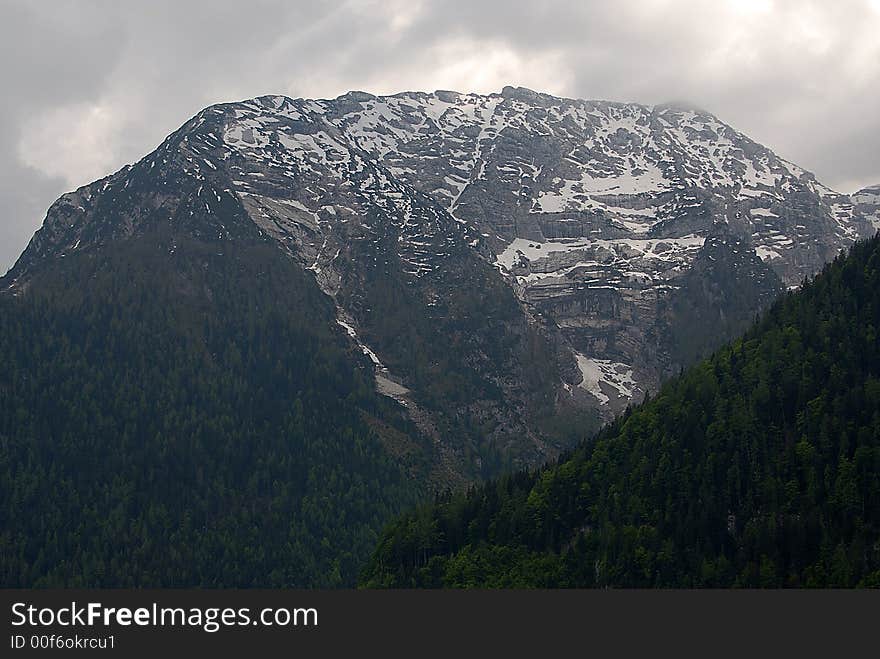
180	413
759	466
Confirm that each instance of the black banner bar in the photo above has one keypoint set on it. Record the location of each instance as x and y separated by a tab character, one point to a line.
134	623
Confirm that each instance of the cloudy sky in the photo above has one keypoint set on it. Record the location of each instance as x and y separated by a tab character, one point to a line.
90	85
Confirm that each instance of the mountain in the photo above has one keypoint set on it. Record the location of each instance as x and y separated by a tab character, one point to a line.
317	312
595	215
759	466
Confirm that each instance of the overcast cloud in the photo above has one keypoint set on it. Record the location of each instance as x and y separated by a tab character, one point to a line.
91	85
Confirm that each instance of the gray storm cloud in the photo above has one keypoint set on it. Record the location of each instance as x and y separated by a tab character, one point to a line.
92	85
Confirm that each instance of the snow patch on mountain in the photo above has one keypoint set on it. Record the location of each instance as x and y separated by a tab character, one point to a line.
603	377
385	384
599	262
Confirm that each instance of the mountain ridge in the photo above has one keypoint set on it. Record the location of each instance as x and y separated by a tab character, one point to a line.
591	211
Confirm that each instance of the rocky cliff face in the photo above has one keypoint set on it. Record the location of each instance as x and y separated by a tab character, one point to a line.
867	202
499	257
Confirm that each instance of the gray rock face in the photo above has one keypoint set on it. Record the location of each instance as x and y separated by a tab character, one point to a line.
867	202
635	238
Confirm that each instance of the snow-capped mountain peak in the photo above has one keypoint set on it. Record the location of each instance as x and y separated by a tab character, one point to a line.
597	213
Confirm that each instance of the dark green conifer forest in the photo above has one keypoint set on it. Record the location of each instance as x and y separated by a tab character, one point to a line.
189	414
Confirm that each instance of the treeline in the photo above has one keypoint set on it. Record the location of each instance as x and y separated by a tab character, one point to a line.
187	415
758	467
